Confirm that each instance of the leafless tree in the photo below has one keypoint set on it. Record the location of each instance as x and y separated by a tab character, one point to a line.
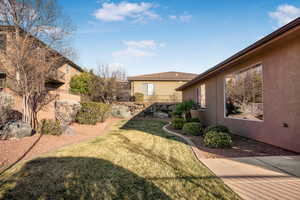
107	83
35	28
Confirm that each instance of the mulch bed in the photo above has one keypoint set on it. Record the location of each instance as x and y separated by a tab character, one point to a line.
12	150
242	147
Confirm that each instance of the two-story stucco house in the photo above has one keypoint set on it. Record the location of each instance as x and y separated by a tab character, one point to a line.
160	87
57	83
256	92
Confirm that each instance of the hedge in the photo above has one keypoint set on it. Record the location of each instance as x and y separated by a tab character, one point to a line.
50	127
92	113
214	139
192	128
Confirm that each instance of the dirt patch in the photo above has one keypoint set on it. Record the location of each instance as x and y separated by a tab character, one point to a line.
242	147
12	150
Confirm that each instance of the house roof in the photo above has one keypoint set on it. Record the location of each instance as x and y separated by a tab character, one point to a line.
10	28
164	76
241	53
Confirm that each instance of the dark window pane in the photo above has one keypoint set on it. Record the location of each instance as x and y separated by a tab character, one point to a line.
2	42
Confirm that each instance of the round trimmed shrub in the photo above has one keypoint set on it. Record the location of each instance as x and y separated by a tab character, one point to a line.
50	127
177	123
217	128
214	139
194	120
192	128
92	113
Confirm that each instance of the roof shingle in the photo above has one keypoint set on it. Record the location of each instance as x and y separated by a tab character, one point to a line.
164	76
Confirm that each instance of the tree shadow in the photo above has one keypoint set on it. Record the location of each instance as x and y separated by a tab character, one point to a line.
76	178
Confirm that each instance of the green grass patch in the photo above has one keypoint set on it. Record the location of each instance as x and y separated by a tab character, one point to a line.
135	160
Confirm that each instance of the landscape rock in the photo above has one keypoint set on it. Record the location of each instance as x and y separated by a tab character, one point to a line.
120	111
6	113
172	107
16	129
67	130
66	111
160	115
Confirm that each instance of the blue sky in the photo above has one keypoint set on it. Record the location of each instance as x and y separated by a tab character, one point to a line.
170	35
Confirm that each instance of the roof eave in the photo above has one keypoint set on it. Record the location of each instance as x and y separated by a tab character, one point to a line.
248	49
158	79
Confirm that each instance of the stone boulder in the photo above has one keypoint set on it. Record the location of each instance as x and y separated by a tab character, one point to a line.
160	115
66	111
67	130
6	113
120	111
16	129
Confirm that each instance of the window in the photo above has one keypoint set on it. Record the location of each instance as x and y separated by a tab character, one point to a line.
3	42
200	96
2	80
244	94
148	89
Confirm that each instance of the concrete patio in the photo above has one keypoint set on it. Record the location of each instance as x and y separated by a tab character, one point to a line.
263	178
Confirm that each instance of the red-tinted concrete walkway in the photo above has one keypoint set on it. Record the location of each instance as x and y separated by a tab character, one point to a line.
255	178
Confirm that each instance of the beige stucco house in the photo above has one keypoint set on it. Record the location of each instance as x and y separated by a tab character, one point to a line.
160	87
256	92
58	82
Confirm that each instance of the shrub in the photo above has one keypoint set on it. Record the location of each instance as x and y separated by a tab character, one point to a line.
184	109
214	139
178	123
139	97
194	120
217	128
50	127
80	84
176	114
192	128
93	112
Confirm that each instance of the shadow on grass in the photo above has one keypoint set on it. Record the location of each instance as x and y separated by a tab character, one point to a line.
77	178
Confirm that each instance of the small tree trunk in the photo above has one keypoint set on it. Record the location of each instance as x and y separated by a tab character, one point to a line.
34	120
27	117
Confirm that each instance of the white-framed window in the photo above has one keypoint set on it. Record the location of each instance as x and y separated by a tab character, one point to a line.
148	89
201	96
244	94
68	69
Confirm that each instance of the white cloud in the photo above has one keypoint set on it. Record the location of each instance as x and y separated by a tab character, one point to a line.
143	48
183	18
285	14
173	17
143	44
139	12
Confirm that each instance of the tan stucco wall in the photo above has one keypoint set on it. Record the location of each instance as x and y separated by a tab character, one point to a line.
164	90
62	92
281	94
69	73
